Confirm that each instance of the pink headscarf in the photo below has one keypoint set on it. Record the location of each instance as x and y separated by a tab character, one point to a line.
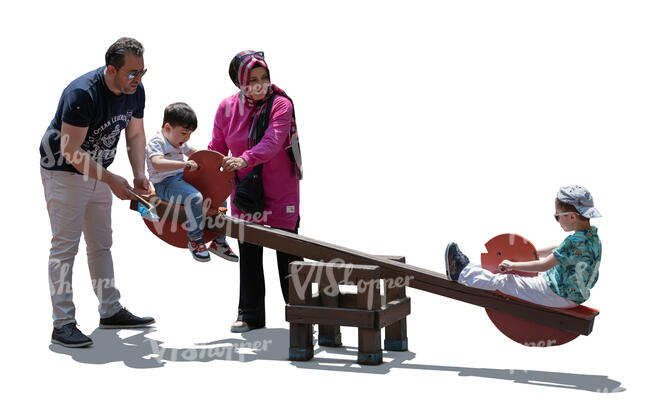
240	74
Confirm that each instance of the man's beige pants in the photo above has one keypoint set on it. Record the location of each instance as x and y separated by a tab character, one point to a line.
76	204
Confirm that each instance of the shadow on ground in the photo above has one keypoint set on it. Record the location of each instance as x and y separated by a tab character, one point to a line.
140	351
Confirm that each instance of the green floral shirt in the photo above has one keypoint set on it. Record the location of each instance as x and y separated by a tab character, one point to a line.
577	272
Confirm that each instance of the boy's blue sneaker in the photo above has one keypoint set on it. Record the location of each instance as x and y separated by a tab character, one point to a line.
220	248
455	261
198	250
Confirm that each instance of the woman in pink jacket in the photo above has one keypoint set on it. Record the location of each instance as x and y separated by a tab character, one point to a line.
237	130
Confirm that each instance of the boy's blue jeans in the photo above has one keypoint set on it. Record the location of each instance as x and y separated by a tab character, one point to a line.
177	191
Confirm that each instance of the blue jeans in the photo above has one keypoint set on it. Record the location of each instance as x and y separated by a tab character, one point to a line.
177	191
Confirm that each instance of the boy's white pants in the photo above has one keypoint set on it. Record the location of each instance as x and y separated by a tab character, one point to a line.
76	204
531	289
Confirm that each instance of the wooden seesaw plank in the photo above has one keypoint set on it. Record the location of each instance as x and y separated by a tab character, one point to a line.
419	278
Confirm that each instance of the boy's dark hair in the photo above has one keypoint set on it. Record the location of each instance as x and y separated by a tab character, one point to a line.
568	208
122	47
180	114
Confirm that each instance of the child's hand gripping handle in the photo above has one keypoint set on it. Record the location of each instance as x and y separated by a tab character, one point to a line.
505	266
192	165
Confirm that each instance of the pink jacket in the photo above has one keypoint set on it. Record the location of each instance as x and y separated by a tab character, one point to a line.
281	187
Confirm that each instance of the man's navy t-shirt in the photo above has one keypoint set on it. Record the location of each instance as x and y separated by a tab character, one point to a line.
87	102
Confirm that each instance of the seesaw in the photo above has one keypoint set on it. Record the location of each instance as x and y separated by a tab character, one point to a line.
516	248
214	183
367	310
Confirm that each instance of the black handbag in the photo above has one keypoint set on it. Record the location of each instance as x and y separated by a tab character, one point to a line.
249	192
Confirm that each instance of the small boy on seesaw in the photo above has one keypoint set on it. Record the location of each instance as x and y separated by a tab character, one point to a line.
568	271
166	162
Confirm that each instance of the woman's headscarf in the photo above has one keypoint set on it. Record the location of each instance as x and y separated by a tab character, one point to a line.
240	74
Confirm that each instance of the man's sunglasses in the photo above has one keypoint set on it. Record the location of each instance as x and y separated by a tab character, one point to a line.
135	73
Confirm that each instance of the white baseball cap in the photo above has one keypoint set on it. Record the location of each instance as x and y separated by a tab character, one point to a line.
580	198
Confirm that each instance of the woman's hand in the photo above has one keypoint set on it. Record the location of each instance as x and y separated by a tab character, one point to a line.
233	163
505	266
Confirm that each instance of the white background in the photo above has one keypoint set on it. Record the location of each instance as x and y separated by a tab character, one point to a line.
419	125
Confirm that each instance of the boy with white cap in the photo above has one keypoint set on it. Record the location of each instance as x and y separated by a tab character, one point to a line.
569	271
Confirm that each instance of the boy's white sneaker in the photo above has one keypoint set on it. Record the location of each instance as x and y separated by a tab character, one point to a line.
198	250
221	249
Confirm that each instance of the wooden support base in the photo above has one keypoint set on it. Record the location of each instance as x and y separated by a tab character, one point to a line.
396	339
367	310
369	347
329	335
301	341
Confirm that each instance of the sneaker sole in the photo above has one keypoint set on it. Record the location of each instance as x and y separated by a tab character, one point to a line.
240	330
207	259
140	325
223	256
447	263
79	345
244	329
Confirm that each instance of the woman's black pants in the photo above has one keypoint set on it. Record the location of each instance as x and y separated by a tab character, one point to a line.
251	281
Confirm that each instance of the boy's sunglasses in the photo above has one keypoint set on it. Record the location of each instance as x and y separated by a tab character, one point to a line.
557	215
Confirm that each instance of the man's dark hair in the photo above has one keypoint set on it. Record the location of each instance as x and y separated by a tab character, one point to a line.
180	114
122	47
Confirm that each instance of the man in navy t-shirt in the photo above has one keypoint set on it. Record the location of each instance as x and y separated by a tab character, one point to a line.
76	151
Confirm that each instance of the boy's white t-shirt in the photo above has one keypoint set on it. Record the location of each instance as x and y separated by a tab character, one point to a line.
158	145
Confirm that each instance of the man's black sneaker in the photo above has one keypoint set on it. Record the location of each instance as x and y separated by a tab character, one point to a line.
125	319
68	335
455	261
